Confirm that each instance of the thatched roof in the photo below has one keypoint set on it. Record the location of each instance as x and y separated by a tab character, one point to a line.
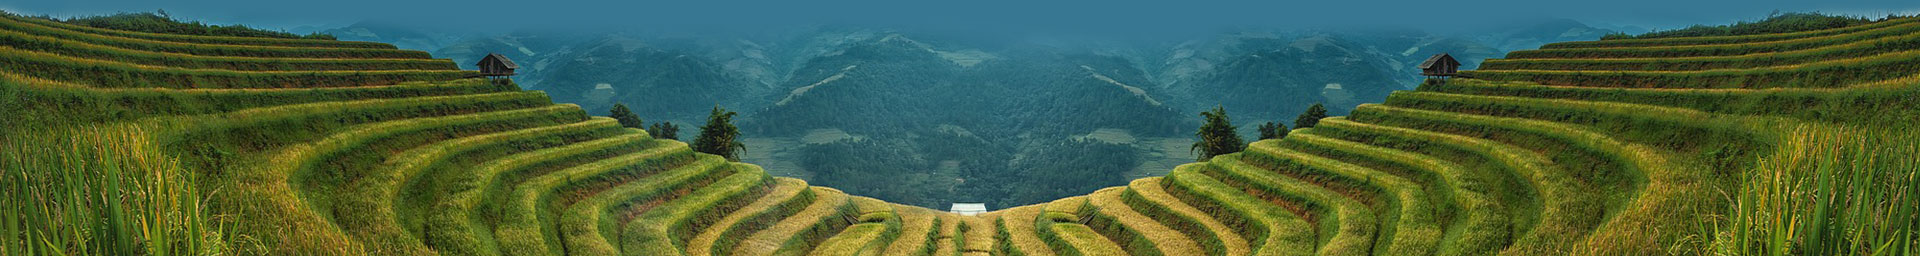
1436	59
501	58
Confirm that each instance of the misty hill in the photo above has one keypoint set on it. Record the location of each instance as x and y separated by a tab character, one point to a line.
799	90
667	85
905	85
910	109
131	143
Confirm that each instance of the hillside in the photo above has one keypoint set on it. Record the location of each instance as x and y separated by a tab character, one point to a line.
123	142
997	106
950	129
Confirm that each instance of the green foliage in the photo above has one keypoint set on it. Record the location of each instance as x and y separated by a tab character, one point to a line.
1311	117
40	101
1413	228
1273	130
235	47
1720	49
1270	230
798	234
161	22
454	223
1824	74
719	136
1774	23
1830	190
1346	227
1890	99
1217	135
903	89
1063	168
1519	169
664	130
1864	47
786	197
1477	225
662	230
626	117
590	221
1147	196
526	223
1706	40
100	191
87	50
108	74
879	168
1138	233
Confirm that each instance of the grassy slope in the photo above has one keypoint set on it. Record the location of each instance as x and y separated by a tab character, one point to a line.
287	146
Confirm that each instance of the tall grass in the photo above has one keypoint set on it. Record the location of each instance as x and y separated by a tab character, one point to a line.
1717	50
1140	234
1147	196
1889	98
457	221
1829	190
526	219
100	190
1269	230
786	198
1346	227
919	232
859	239
63	103
1406	213
944	242
376	205
805	229
100	52
239	40
1841	51
1733	39
1061	228
663	230
110	74
877	228
1083	240
1021	238
210	49
1475	225
587	227
1824	74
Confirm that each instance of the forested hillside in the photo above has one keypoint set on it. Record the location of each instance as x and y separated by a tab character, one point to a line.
126	142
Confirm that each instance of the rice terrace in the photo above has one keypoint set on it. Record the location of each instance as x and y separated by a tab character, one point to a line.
143	134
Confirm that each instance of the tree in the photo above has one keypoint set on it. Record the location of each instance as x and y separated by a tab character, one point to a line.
664	130
1217	135
1311	117
1273	130
625	116
719	136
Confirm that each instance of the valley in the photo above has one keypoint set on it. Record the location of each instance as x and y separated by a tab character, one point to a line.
1790	135
1022	99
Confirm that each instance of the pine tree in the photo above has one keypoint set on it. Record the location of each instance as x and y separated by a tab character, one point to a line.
1273	130
664	130
1311	117
719	136
1217	136
625	116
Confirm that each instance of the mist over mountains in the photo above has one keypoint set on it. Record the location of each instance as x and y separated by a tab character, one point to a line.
934	116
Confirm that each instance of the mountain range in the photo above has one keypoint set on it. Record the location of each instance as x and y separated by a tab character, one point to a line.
808	93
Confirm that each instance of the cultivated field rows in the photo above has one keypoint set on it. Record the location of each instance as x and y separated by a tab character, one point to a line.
348	148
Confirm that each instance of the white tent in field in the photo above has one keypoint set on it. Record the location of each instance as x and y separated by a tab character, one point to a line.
968	209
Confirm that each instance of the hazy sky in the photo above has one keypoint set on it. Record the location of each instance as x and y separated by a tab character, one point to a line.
1112	15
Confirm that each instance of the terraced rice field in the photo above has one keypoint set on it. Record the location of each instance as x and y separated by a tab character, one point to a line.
1621	147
